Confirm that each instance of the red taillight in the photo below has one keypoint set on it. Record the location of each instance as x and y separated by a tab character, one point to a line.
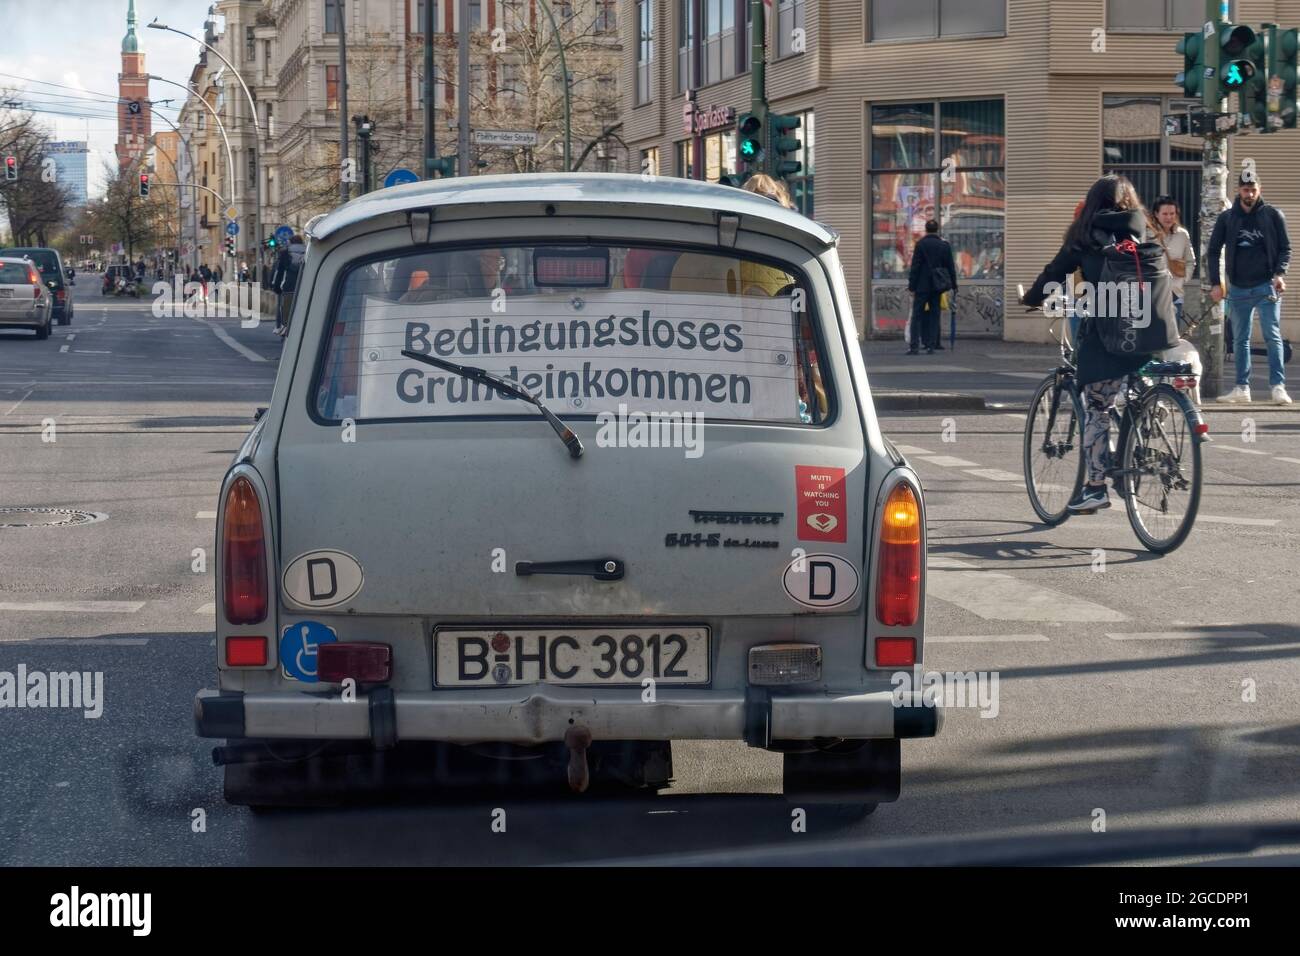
365	663
34	278
59	295
245	652
898	578
895	651
244	558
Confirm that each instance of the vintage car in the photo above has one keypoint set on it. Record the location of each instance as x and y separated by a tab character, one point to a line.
569	467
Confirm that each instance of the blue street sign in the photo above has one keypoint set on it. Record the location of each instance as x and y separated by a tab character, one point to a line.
400	176
232	228
283	234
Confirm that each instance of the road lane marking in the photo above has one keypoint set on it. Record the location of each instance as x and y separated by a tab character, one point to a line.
1000	597
206	609
63	348
1240	451
1038	376
1293	461
222	334
21	400
92	607
1020	415
205	514
984	638
912	450
94	352
78	641
1121	512
994	474
71	336
1186	635
909	369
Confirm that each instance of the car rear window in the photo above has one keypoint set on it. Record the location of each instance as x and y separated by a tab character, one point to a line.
591	329
45	260
13	273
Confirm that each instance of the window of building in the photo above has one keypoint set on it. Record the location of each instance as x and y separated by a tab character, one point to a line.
252	168
801	183
719	154
645	51
649	164
477	82
332	16
250	45
1134	144
511	89
606	16
1155	15
789	18
684	158
685	43
944	161
514	15
475	15
723	53
266	56
331	87
934	19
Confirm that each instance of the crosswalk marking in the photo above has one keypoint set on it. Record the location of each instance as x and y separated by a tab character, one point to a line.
205	514
1185	635
104	607
1243	451
1250	522
206	609
984	638
912	450
1001	597
993	474
947	461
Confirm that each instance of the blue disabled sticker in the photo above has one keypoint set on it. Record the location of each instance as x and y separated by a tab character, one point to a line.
298	649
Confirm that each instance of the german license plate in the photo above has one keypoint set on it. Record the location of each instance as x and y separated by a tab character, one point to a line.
489	657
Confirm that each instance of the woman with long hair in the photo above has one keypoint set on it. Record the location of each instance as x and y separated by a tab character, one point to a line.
1112	212
1181	255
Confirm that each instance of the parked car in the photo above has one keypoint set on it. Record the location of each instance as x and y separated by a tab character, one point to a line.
447	530
50	265
25	302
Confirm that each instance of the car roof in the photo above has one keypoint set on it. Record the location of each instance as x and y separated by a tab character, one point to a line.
583	193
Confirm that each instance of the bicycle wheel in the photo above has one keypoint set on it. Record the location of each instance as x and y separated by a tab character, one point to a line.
1053	457
1161	465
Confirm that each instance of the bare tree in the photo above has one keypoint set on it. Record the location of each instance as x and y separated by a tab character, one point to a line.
123	215
36	204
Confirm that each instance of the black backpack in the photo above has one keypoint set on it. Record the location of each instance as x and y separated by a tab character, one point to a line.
1133	303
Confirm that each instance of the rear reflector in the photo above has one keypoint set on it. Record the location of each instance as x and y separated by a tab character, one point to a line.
1203	428
895	651
244	555
898	579
785	663
365	663
245	652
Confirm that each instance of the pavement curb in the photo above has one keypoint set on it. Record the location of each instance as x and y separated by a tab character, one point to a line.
886	400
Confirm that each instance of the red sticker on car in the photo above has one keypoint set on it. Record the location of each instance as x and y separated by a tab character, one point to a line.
822	509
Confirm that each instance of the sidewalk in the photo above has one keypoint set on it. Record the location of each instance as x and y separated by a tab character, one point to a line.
988	373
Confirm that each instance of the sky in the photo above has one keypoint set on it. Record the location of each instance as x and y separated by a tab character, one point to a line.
78	44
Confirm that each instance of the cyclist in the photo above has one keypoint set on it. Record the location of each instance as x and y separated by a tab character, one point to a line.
1111	212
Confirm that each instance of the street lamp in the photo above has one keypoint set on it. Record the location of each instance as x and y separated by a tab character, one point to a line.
252	105
216	118
564	78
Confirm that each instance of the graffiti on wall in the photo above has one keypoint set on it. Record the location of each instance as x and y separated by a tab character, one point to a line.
979	311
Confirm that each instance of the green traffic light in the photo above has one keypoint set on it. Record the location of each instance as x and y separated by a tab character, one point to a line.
1232	77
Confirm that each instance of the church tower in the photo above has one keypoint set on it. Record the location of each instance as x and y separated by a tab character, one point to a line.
134	121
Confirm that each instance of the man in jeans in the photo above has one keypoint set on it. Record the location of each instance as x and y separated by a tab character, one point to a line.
1259	252
933	273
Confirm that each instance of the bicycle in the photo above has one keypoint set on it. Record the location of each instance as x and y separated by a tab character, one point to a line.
1155	448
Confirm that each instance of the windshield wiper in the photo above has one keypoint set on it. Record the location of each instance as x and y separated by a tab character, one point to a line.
505	387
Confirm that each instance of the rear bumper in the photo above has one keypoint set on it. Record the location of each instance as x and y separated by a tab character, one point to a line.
22	320
542	714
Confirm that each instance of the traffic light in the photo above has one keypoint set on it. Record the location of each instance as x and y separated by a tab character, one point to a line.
230	246
270	243
11	168
1254	93
784	148
1237	45
144	185
1283	80
749	140
444	167
1192	47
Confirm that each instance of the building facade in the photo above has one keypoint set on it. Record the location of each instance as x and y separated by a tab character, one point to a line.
993	116
70	162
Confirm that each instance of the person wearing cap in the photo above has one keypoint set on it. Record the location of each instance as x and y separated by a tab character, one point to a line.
1258	254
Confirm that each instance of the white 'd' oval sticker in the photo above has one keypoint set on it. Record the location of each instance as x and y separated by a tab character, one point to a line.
322	579
821	580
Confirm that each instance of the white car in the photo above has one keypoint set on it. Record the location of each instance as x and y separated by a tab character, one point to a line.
25	303
569	467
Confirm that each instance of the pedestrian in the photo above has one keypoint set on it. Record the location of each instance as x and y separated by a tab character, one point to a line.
205	276
243	272
217	273
1177	242
933	273
1258	254
285	281
1111	211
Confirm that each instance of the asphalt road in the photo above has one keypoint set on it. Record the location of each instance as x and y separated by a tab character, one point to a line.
1120	690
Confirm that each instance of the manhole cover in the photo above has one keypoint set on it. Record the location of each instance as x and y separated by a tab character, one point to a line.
46	517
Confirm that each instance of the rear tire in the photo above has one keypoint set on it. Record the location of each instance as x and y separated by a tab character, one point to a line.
43	332
1177	447
1053	479
846	781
